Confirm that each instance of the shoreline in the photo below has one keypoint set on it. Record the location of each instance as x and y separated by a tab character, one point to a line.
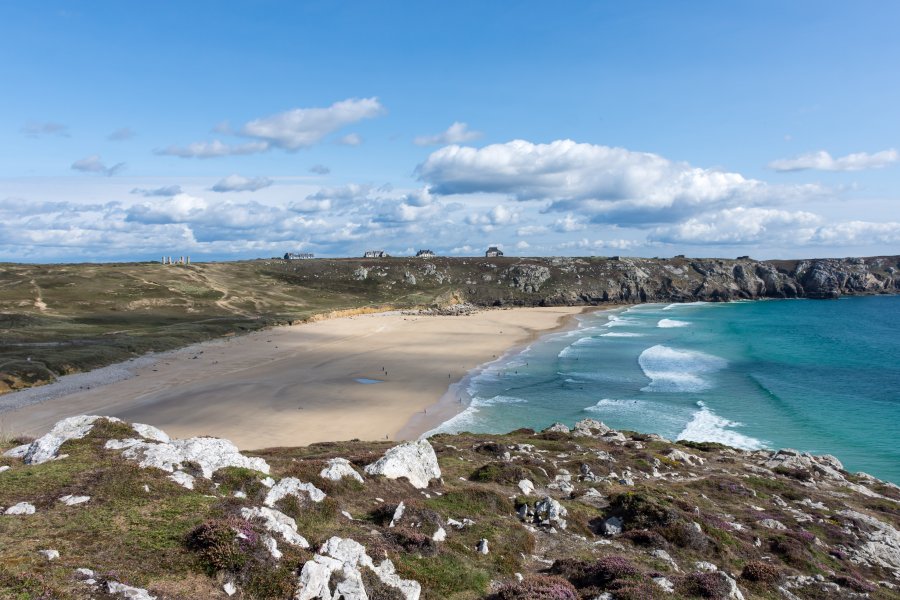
362	376
451	403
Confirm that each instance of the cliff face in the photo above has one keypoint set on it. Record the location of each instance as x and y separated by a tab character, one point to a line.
553	281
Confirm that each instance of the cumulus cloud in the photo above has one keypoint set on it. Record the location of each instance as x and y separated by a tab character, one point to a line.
457	133
496	217
37	129
823	161
604	183
568	224
121	134
740	225
213	149
857	233
319	170
93	164
303	127
165	191
236	183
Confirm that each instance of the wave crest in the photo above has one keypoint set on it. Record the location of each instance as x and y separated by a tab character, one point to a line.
671	370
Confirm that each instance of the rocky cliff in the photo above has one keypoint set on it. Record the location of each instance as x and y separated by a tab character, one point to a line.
100	508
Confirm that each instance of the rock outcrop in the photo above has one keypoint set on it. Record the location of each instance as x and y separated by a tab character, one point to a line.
414	461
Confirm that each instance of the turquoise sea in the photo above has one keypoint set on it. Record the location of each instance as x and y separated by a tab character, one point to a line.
816	375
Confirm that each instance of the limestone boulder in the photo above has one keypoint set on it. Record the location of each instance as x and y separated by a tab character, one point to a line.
414	461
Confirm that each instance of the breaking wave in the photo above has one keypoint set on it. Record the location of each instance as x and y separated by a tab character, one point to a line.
671	370
669	323
706	426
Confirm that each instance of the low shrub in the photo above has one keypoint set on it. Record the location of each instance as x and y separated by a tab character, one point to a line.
500	473
647	538
413	540
600	573
761	572
854	584
539	587
640	511
223	544
704	585
685	535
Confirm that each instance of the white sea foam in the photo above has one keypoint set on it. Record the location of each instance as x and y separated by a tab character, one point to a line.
680	304
464	420
621	334
669	323
615	321
671	370
706	426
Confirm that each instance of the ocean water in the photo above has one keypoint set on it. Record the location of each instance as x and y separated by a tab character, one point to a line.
813	375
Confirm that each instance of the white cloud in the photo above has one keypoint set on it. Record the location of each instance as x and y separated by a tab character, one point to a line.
740	226
496	217
164	191
37	129
303	127
236	183
93	164
857	233
522	245
531	230
823	161
121	134
455	134
604	183
586	244
319	170
568	224
213	149
351	139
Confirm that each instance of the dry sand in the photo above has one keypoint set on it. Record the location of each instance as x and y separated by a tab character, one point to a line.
296	385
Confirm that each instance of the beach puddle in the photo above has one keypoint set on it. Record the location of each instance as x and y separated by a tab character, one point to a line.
367	381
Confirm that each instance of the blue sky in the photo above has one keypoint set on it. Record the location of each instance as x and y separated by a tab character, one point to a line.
244	129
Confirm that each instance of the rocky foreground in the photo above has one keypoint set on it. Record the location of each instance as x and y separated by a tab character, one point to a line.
99	508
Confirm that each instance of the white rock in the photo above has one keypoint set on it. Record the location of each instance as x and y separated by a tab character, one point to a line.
22	508
665	584
49	554
772	524
416	461
482	547
734	592
590	428
183	479
612	526
4	468
267	482
70	500
126	591
341	560
229	588
557	427
440	535
211	454
84	572
684	457
47	446
291	486
706	567
150	432
272	546
398	514
18	451
550	512
338	468
526	486
882	542
240	494
277	522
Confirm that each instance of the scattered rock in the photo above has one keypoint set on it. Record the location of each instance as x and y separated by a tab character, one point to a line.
526	487
440	535
338	468
49	554
22	508
550	512
277	522
291	486
416	461
612	526
772	524
556	427
70	500
340	561
482	547
127	591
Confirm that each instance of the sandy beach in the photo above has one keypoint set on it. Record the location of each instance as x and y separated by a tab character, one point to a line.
368	376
